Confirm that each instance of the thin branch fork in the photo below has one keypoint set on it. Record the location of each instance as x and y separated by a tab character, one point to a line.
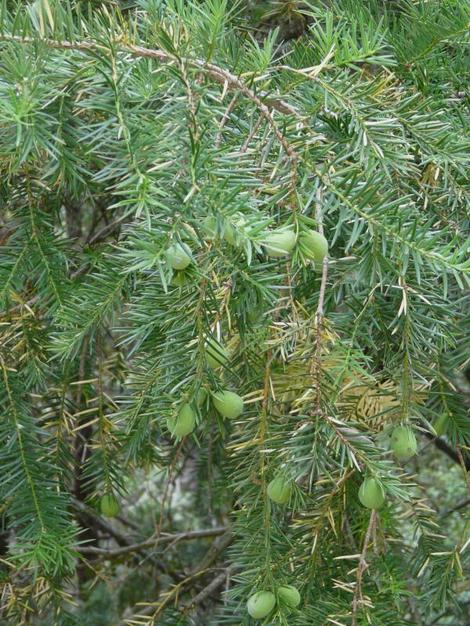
202	568
217	582
173	538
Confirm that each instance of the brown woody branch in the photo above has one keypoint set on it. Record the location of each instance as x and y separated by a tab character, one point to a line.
361	568
443	446
218	74
149	543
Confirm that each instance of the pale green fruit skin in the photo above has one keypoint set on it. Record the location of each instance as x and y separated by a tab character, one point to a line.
184	423
261	604
371	494
403	443
289	595
216	354
440	425
279	490
179	279
313	245
230	233
201	396
109	505
228	404
280	242
209	227
178	256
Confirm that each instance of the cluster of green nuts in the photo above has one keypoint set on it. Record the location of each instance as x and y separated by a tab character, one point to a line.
279	242
109	505
404	445
261	603
282	241
227	403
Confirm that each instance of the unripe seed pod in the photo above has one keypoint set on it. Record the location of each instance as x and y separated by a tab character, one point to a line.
279	490
371	493
178	256
280	242
216	354
403	443
261	604
228	404
109	505
179	279
289	595
201	396
313	245
209	227
230	232
184	423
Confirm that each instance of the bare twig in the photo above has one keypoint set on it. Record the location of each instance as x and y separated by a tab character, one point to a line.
321	297
224	119
156	541
361	568
465	466
443	446
253	132
456	507
212	586
155	609
106	230
217	547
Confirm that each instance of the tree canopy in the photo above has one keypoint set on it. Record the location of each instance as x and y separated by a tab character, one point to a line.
234	313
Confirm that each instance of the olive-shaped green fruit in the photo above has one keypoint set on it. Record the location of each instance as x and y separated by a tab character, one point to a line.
109	505
230	232
179	279
403	443
178	256
216	354
228	403
279	490
289	595
371	493
209	227
440	425
280	242
261	604
313	245
184	423
201	396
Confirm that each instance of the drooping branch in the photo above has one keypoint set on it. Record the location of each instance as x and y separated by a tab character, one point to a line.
218	74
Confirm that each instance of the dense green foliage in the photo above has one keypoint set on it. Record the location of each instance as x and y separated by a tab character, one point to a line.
194	382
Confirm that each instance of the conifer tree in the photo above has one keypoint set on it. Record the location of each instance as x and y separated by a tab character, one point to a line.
234	312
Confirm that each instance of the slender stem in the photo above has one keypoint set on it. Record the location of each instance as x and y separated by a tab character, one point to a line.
357	600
